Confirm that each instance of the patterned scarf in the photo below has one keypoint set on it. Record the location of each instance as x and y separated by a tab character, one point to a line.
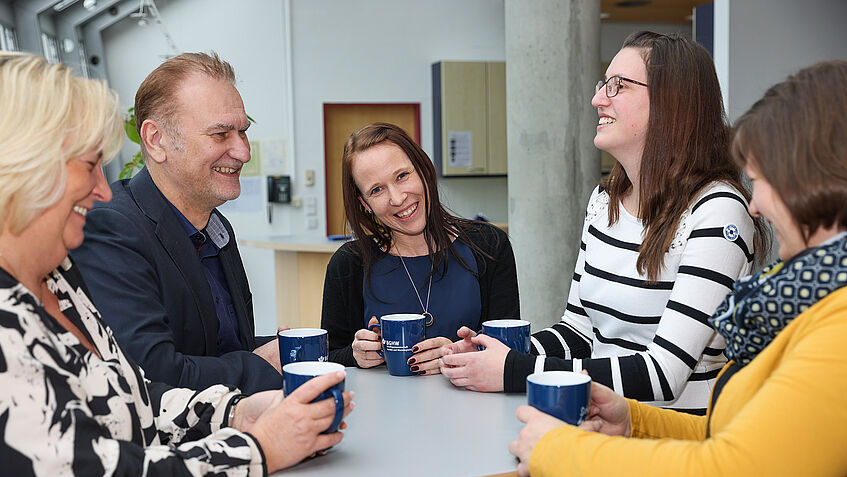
762	305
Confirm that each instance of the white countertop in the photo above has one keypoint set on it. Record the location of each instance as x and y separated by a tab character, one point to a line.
292	243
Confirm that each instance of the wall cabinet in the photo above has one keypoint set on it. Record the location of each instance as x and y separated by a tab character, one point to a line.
469	118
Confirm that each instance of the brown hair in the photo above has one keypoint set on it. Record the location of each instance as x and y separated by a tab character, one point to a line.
372	236
686	146
156	97
796	138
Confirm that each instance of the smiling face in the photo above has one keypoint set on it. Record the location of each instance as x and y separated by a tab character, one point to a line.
622	127
203	165
390	186
767	203
59	227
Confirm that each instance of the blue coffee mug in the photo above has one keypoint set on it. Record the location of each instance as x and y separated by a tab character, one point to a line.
562	394
303	344
513	333
295	374
400	333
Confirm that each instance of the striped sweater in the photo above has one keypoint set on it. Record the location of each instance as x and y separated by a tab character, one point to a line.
648	341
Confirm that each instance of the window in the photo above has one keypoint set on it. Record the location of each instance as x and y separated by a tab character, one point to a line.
50	48
8	41
83	61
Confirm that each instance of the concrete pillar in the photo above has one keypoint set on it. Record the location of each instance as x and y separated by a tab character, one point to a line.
552	65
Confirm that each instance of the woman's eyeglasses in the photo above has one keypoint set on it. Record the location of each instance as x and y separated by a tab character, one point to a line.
613	85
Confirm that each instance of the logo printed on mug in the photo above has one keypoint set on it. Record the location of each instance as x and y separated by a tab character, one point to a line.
303	344
399	333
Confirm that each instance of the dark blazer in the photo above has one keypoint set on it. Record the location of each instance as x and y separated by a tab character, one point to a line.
147	281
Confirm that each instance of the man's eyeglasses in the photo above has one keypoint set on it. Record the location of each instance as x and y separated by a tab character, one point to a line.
613	85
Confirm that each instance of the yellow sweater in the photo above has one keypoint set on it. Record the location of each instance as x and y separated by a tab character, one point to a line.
785	413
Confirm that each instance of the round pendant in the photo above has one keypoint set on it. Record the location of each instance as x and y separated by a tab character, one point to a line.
429	318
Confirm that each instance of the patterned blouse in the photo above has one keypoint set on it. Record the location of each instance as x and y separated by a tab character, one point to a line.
66	411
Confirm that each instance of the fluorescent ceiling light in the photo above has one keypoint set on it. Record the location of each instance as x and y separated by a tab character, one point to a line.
63	5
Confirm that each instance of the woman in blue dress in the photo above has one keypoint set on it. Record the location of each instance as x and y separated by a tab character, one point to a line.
410	255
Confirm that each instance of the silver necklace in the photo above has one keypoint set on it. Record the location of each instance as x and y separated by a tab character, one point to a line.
429	318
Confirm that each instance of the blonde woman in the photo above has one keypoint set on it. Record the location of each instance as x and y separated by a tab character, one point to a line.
71	402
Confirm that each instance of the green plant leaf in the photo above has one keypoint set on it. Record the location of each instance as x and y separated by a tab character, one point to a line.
131	133
136	163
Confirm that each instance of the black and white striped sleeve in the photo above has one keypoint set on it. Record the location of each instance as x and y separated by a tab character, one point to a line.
718	250
569	338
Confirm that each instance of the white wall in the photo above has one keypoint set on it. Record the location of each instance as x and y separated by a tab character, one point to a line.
341	51
251	38
382	51
7	15
770	39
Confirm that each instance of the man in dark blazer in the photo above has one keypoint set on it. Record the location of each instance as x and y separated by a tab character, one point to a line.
161	262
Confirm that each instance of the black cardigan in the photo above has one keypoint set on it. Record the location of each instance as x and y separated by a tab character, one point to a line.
344	305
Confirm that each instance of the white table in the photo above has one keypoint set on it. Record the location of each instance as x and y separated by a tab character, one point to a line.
420	426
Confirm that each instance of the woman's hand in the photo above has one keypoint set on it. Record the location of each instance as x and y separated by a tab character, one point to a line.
289	429
427	352
478	370
608	412
537	424
248	410
366	343
464	345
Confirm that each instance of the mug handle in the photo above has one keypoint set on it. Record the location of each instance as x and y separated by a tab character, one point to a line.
480	347
371	328
339	410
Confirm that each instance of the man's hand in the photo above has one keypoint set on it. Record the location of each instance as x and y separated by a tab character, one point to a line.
270	353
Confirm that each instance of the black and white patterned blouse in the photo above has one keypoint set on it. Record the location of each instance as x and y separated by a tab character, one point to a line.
66	411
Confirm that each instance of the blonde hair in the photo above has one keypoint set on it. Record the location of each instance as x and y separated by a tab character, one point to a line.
48	117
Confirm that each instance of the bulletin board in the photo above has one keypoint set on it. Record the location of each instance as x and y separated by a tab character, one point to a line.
343	119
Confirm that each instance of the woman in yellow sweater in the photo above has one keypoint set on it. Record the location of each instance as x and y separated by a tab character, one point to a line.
779	407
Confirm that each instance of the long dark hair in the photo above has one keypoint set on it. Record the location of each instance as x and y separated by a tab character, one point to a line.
373	237
686	146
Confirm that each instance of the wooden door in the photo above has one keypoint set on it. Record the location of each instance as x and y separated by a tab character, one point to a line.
341	120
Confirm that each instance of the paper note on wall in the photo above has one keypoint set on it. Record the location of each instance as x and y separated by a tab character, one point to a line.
252	167
273	157
460	149
250	200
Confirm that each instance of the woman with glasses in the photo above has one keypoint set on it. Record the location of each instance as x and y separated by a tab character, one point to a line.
665	236
778	406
